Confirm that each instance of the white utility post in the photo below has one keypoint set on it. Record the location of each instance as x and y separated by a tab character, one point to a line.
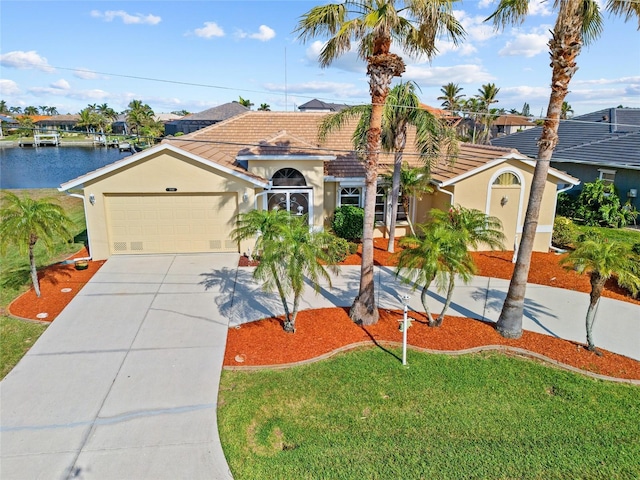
405	327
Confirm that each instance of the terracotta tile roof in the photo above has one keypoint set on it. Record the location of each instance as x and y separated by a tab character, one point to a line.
258	132
513	120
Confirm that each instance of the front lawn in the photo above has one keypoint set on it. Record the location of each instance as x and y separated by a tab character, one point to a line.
364	415
17	336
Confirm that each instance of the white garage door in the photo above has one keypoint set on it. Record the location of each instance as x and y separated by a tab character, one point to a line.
172	223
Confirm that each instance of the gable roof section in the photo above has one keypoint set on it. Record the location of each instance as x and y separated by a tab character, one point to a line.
318	105
286	145
609	137
513	120
163	147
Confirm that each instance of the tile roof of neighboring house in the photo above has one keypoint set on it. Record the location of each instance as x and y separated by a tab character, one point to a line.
609	137
166	117
58	118
219	113
513	120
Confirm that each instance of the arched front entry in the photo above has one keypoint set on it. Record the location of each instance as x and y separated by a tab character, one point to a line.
289	191
505	201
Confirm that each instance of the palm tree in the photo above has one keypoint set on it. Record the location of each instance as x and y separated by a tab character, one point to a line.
402	108
374	24
30	110
138	115
473	229
289	253
43	109
566	111
487	96
245	102
414	182
427	258
52	111
16	110
265	107
88	118
578	22
3	107
451	98
472	107
24	221
602	260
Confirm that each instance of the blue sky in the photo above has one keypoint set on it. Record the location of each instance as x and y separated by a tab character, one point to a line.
194	55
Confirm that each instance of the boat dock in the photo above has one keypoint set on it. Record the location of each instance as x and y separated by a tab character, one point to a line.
41	139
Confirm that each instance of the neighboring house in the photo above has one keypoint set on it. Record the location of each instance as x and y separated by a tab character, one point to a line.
508	124
316	105
196	121
184	194
600	145
66	123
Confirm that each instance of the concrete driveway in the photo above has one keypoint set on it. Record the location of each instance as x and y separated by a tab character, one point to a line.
124	384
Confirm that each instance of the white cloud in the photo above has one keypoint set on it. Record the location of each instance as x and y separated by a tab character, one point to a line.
526	45
85	73
477	29
25	60
438	76
485	3
210	30
61	84
264	34
540	7
318	89
8	87
127	18
607	81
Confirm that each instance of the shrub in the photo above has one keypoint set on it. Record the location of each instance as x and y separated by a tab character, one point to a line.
565	232
348	222
353	248
592	235
338	249
599	205
566	205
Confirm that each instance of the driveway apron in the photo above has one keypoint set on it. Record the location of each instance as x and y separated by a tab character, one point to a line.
124	383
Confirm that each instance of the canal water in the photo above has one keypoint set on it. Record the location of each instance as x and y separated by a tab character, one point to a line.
48	167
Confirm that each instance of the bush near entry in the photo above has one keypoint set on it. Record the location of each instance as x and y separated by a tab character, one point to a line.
348	222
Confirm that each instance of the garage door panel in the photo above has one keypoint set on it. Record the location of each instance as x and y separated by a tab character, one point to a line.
171	223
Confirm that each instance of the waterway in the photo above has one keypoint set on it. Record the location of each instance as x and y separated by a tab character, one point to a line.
48	167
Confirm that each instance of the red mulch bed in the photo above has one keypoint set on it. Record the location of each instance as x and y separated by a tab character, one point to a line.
53	280
322	331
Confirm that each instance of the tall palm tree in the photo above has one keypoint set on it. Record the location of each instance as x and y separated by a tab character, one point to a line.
473	229
289	253
602	260
24	221
3	107
472	109
52	111
30	110
402	108
88	118
374	25
578	22
16	110
451	98
487	96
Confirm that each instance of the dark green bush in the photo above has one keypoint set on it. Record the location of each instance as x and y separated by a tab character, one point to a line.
348	222
599	205
565	232
592	235
353	248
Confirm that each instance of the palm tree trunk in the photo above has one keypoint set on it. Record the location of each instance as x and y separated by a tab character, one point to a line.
423	299
564	48
400	142
32	264
597	285
290	326
447	302
283	297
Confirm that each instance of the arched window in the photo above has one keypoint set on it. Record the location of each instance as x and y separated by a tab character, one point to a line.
507	178
288	177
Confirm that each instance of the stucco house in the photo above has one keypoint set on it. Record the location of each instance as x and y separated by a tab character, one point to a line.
600	145
184	194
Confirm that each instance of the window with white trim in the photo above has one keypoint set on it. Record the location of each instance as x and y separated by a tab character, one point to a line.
382	205
607	176
507	178
351	196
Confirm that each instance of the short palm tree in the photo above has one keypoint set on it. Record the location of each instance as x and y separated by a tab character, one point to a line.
24	221
374	24
265	107
473	229
289	253
602	260
430	257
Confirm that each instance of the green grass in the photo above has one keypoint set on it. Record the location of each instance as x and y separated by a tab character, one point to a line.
363	415
17	336
625	235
